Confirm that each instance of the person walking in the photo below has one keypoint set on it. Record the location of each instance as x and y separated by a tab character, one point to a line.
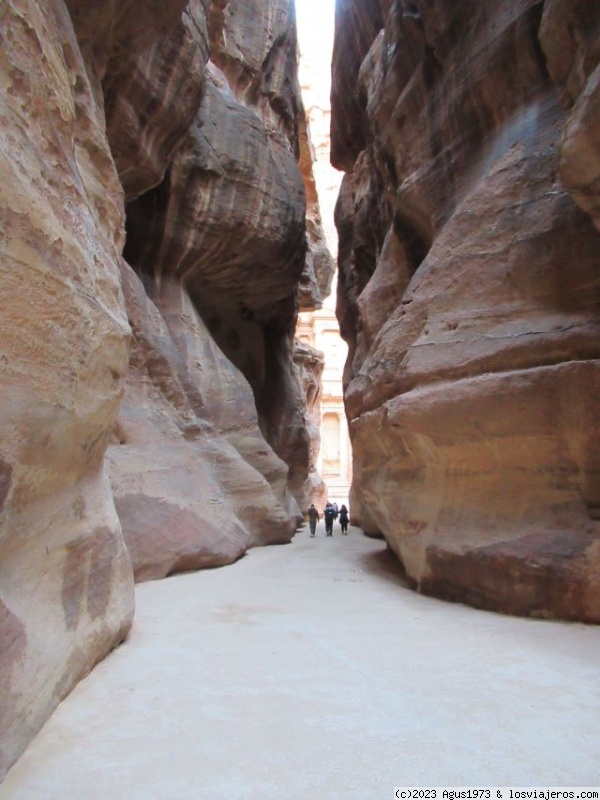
313	518
344	519
329	514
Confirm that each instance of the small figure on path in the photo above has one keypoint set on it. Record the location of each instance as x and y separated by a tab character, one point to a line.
344	519
313	518
329	514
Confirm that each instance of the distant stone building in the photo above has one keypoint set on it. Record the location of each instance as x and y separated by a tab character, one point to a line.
319	329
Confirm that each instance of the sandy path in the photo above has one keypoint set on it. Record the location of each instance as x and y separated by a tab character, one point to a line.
309	671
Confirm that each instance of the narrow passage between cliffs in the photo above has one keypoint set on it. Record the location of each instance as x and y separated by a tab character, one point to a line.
310	670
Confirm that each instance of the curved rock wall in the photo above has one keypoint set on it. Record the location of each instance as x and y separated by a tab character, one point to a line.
66	587
469	290
310	363
153	243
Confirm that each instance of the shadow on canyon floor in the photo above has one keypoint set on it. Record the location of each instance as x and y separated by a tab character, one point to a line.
385	564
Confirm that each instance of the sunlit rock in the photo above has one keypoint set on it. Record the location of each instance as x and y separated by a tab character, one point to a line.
315	282
310	363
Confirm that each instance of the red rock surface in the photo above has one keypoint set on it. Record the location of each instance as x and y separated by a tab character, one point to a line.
310	363
151	98
195	483
66	587
220	245
153	243
316	279
570	38
469	290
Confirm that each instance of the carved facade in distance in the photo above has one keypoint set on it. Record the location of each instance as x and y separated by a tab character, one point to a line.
319	329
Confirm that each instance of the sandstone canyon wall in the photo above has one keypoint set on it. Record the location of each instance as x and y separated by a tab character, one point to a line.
153	242
469	292
310	363
315	287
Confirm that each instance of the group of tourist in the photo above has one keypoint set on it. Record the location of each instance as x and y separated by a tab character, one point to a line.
330	513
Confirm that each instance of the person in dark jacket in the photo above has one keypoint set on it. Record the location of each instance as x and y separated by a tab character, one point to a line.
329	514
344	519
313	518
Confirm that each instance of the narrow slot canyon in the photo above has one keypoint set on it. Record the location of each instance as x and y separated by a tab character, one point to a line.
312	670
263	254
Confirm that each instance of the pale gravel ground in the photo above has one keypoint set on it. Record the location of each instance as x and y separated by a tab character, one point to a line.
310	671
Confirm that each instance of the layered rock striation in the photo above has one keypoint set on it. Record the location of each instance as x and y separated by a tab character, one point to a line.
469	293
153	242
66	585
218	248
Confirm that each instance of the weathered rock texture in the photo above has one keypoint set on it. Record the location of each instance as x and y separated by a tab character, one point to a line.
219	245
469	289
310	363
153	244
322	181
66	588
319	271
315	287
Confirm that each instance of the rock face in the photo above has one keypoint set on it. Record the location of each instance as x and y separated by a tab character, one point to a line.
469	290
569	38
153	244
323	182
317	276
220	247
314	287
310	363
66	588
